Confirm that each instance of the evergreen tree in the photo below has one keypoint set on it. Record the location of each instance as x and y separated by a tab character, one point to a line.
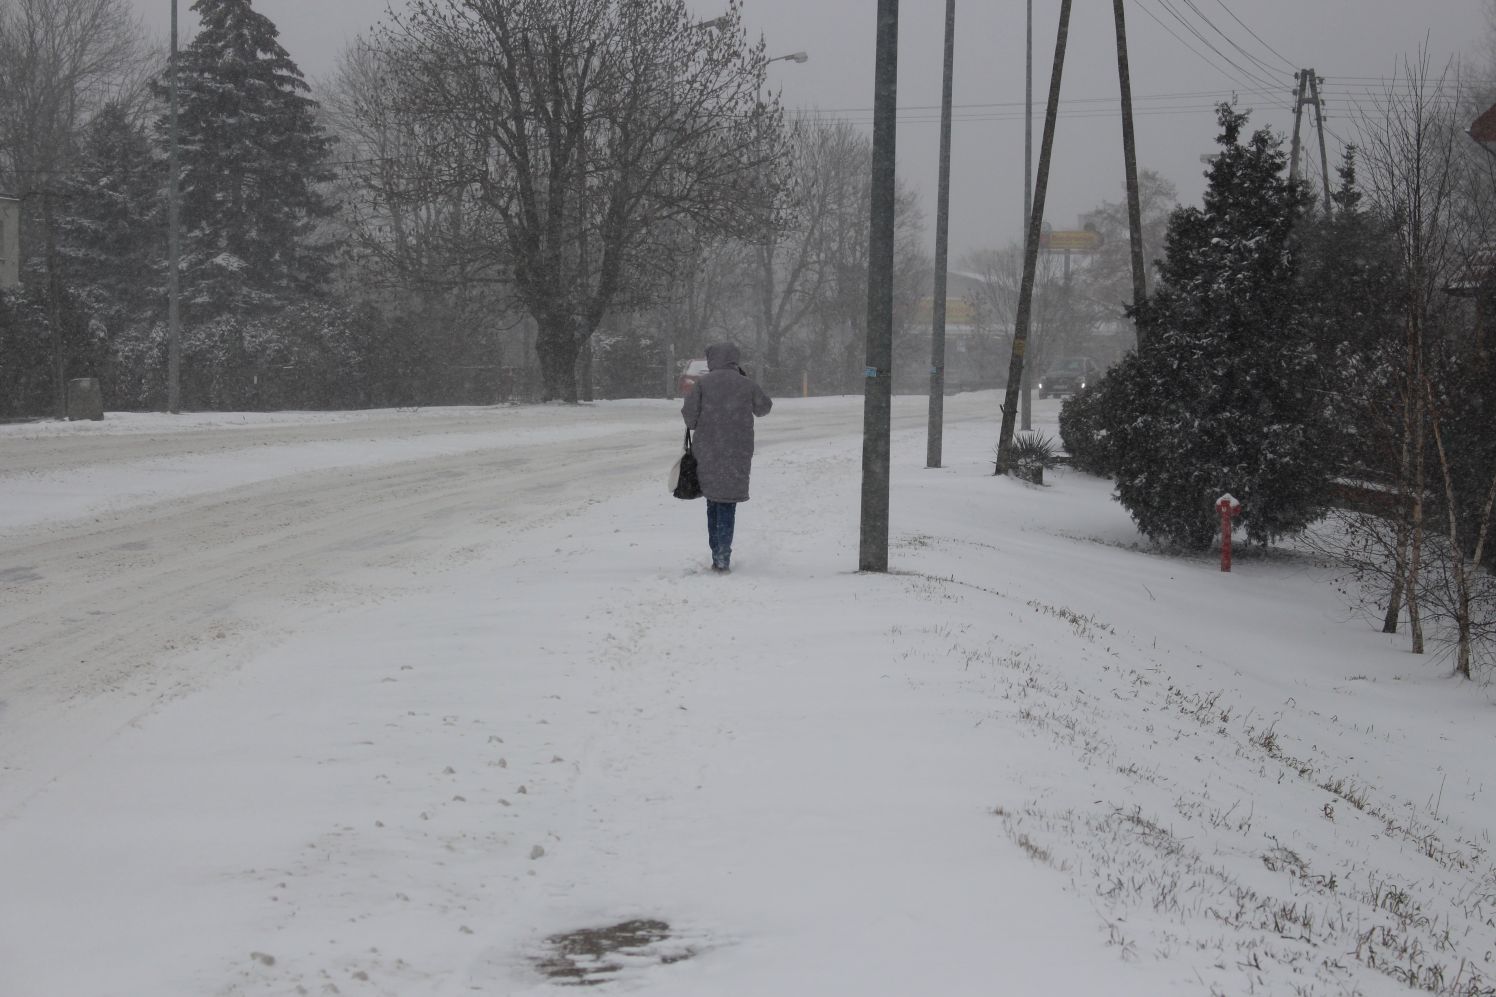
113	242
253	157
1352	290
1224	396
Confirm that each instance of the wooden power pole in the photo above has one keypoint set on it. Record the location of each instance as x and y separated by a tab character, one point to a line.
1299	100
1130	162
1031	246
1307	95
942	256
1319	126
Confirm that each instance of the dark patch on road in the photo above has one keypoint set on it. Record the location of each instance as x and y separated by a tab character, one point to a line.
18	576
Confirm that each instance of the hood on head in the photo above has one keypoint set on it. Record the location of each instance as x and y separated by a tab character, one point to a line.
721	355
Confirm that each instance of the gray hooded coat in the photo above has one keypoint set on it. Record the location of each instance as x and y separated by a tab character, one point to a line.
720	411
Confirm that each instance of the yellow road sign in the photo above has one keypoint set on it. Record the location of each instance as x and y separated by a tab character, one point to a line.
1074	240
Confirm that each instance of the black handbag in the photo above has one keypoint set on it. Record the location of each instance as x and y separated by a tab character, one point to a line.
683	481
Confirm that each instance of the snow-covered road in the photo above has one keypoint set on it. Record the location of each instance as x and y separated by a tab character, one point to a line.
101	586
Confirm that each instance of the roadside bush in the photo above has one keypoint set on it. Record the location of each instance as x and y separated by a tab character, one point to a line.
1083	430
28	378
135	379
1031	454
25	384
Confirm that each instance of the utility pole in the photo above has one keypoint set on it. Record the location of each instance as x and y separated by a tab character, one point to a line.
1307	95
942	254
1319	125
584	281
1028	162
1299	100
1130	162
1028	122
174	251
878	393
1031	245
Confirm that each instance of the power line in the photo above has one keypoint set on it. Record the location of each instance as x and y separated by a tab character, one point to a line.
1281	57
1078	115
1258	85
1168	5
1167	95
1204	58
1250	56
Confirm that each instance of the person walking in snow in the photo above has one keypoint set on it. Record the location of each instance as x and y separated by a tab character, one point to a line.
720	411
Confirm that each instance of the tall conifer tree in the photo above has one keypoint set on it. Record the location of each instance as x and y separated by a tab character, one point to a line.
253	157
112	247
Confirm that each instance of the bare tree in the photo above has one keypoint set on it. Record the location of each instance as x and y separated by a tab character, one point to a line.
1409	152
1108	275
588	128
1466	542
409	230
1425	175
60	60
419	238
995	301
708	284
833	338
790	267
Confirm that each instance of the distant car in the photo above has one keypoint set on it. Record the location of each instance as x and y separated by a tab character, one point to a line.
693	371
1066	377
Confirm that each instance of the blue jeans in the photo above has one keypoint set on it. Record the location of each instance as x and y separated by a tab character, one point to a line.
720	519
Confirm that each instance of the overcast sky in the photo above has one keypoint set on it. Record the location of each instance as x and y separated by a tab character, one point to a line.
1177	77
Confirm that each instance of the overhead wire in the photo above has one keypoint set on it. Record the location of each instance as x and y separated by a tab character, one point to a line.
1139	4
1173	11
1249	56
1281	57
1213	95
1257	79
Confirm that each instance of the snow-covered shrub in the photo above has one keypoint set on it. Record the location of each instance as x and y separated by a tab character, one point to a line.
136	377
29	350
1031	454
1083	431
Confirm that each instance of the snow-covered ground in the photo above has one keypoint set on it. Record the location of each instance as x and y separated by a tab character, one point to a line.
398	703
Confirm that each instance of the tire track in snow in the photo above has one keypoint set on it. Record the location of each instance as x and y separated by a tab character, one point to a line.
104	618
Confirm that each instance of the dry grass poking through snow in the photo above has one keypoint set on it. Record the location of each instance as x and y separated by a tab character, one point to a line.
1203	837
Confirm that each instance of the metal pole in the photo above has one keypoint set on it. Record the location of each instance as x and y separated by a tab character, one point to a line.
173	278
1130	164
878	393
1031	246
942	246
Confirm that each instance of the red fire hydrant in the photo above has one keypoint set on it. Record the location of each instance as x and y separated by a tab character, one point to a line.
1229	508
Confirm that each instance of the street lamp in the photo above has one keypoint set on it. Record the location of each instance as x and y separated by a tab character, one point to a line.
792	57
